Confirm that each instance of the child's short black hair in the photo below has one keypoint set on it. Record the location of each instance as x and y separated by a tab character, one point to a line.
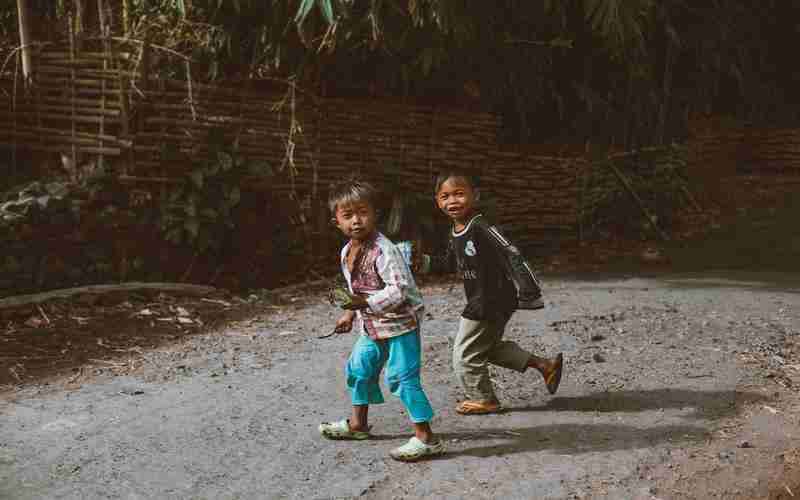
451	173
351	190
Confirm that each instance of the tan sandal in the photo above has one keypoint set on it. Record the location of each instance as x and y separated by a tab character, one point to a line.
472	407
553	377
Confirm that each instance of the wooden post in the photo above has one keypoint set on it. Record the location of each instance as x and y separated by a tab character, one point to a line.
431	144
316	231
145	87
14	165
101	16
125	116
126	17
581	172
145	77
72	48
25	39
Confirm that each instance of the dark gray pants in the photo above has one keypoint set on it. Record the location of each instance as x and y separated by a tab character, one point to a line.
479	343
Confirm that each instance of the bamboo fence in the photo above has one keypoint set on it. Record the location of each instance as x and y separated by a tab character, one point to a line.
109	103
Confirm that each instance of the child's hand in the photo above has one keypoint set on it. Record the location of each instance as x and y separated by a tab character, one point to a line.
345	323
416	262
419	263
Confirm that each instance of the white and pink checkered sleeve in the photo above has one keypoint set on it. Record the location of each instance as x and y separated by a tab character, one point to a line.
392	270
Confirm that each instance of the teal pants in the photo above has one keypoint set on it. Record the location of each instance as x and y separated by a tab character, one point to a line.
401	356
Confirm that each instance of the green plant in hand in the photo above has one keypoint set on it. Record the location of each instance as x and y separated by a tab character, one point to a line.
340	297
346	300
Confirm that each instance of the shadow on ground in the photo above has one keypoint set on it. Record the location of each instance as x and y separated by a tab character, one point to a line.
706	404
572	439
575	439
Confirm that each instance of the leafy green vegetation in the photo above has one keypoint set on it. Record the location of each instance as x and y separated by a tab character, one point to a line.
199	211
619	73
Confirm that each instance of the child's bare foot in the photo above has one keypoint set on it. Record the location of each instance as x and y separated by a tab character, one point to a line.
359	428
477	407
423	432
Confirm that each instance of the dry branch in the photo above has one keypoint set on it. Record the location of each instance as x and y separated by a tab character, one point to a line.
38	298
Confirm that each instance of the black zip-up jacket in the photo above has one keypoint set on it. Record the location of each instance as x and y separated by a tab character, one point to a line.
497	278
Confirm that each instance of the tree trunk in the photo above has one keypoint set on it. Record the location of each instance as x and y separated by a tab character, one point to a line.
23	14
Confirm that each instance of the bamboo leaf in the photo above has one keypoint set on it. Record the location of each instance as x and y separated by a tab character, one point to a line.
235	195
564	43
225	161
190	209
261	167
327	10
192	227
197	178
303	10
212	169
174	235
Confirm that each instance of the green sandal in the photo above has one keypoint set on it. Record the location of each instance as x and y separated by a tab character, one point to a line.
415	449
341	430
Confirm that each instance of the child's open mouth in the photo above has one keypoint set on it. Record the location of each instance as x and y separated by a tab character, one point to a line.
454	210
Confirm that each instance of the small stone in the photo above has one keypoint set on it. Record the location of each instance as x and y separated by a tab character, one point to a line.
598	358
130	391
598	337
745	444
725	455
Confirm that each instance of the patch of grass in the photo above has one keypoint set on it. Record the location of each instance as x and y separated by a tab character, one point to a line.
765	238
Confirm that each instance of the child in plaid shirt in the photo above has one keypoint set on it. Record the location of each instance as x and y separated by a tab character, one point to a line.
388	308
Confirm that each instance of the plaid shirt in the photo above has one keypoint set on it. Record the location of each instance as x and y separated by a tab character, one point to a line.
381	275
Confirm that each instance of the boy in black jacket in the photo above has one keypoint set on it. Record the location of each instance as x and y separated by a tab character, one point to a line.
497	281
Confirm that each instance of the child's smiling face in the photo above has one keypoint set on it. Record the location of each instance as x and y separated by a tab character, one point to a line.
456	198
357	220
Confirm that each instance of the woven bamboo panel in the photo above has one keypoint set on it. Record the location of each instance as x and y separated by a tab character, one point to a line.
104	100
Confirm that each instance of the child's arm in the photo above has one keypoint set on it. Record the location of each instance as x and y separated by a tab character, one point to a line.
395	276
435	264
529	292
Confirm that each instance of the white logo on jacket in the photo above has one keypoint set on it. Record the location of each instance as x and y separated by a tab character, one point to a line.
469	249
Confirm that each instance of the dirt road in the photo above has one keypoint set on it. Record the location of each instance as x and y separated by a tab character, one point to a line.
676	386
